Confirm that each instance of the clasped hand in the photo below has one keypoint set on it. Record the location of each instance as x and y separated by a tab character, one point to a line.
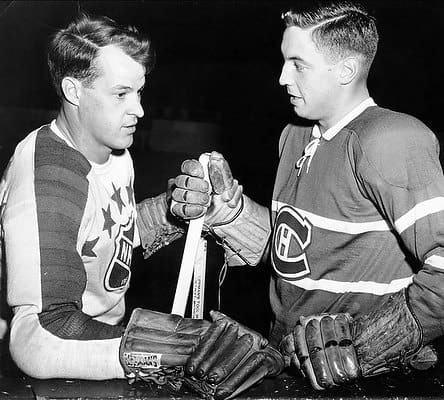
219	199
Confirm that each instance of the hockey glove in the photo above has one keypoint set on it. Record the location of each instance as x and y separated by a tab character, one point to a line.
156	227
156	346
221	200
229	359
333	349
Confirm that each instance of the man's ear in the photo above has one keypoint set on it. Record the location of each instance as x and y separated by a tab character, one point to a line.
349	71
71	89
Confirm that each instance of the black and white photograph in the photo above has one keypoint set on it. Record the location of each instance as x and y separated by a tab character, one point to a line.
228	199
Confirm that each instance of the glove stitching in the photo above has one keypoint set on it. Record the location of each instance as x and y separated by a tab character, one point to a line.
238	212
221	241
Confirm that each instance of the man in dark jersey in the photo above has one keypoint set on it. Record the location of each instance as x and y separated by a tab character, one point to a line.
356	226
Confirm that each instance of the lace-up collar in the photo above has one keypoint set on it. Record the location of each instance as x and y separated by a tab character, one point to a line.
329	134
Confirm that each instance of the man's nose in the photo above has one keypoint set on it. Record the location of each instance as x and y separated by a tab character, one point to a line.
285	78
137	109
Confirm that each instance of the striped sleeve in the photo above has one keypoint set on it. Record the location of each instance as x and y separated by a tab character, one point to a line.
61	190
401	172
50	334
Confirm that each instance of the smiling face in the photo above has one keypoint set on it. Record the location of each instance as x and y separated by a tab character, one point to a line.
110	107
311	80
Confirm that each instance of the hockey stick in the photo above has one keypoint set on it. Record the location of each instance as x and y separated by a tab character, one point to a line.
190	255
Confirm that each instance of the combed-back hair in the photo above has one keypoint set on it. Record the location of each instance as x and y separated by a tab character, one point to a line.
73	51
339	29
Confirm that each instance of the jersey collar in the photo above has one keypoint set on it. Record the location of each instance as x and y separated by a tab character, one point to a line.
335	129
59	133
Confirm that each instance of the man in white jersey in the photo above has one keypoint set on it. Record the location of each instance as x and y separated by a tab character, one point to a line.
70	221
355	234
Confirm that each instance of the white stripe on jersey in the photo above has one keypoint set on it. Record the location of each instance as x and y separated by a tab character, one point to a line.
375	288
419	211
435	261
336	225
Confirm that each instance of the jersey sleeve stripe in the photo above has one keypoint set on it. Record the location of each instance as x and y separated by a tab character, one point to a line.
335	225
421	210
435	261
332	286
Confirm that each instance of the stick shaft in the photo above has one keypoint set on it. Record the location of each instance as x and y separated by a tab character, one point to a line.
189	255
197	308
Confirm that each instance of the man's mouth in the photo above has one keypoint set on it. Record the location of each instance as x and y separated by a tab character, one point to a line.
130	125
294	99
131	128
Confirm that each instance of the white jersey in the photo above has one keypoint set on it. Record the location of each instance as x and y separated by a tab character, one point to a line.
69	232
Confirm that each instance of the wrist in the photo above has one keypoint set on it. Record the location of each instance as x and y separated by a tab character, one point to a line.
224	215
156	228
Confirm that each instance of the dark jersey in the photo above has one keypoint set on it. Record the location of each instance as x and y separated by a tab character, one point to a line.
360	216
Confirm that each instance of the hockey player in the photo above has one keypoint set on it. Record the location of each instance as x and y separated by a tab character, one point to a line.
70	222
355	234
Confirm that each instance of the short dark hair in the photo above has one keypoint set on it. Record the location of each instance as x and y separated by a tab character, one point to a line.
73	50
339	29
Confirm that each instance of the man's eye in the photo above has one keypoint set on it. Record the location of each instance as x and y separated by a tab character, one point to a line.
121	95
299	67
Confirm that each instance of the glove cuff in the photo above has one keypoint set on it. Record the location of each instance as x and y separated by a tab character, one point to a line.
244	237
155	228
391	338
155	346
137	363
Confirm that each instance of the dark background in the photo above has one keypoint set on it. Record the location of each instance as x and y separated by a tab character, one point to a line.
218	64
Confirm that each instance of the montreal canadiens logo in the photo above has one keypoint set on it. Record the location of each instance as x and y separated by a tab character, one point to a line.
292	235
119	272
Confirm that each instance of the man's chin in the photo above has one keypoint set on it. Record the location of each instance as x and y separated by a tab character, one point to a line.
124	144
303	114
299	111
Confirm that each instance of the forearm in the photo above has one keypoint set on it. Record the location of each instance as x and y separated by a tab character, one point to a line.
426	296
43	354
245	239
67	322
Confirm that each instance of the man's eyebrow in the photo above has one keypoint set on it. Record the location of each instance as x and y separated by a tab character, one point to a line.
125	87
122	87
300	59
295	58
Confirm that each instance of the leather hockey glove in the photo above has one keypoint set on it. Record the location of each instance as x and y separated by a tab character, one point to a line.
156	346
156	227
333	349
240	225
221	200
229	359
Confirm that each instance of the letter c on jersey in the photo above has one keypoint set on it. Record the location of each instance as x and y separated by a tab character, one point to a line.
292	235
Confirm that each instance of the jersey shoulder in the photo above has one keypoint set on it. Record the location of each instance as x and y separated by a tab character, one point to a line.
50	150
400	148
381	124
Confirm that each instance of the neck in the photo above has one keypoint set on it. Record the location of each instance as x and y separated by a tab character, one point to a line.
342	107
66	126
74	132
